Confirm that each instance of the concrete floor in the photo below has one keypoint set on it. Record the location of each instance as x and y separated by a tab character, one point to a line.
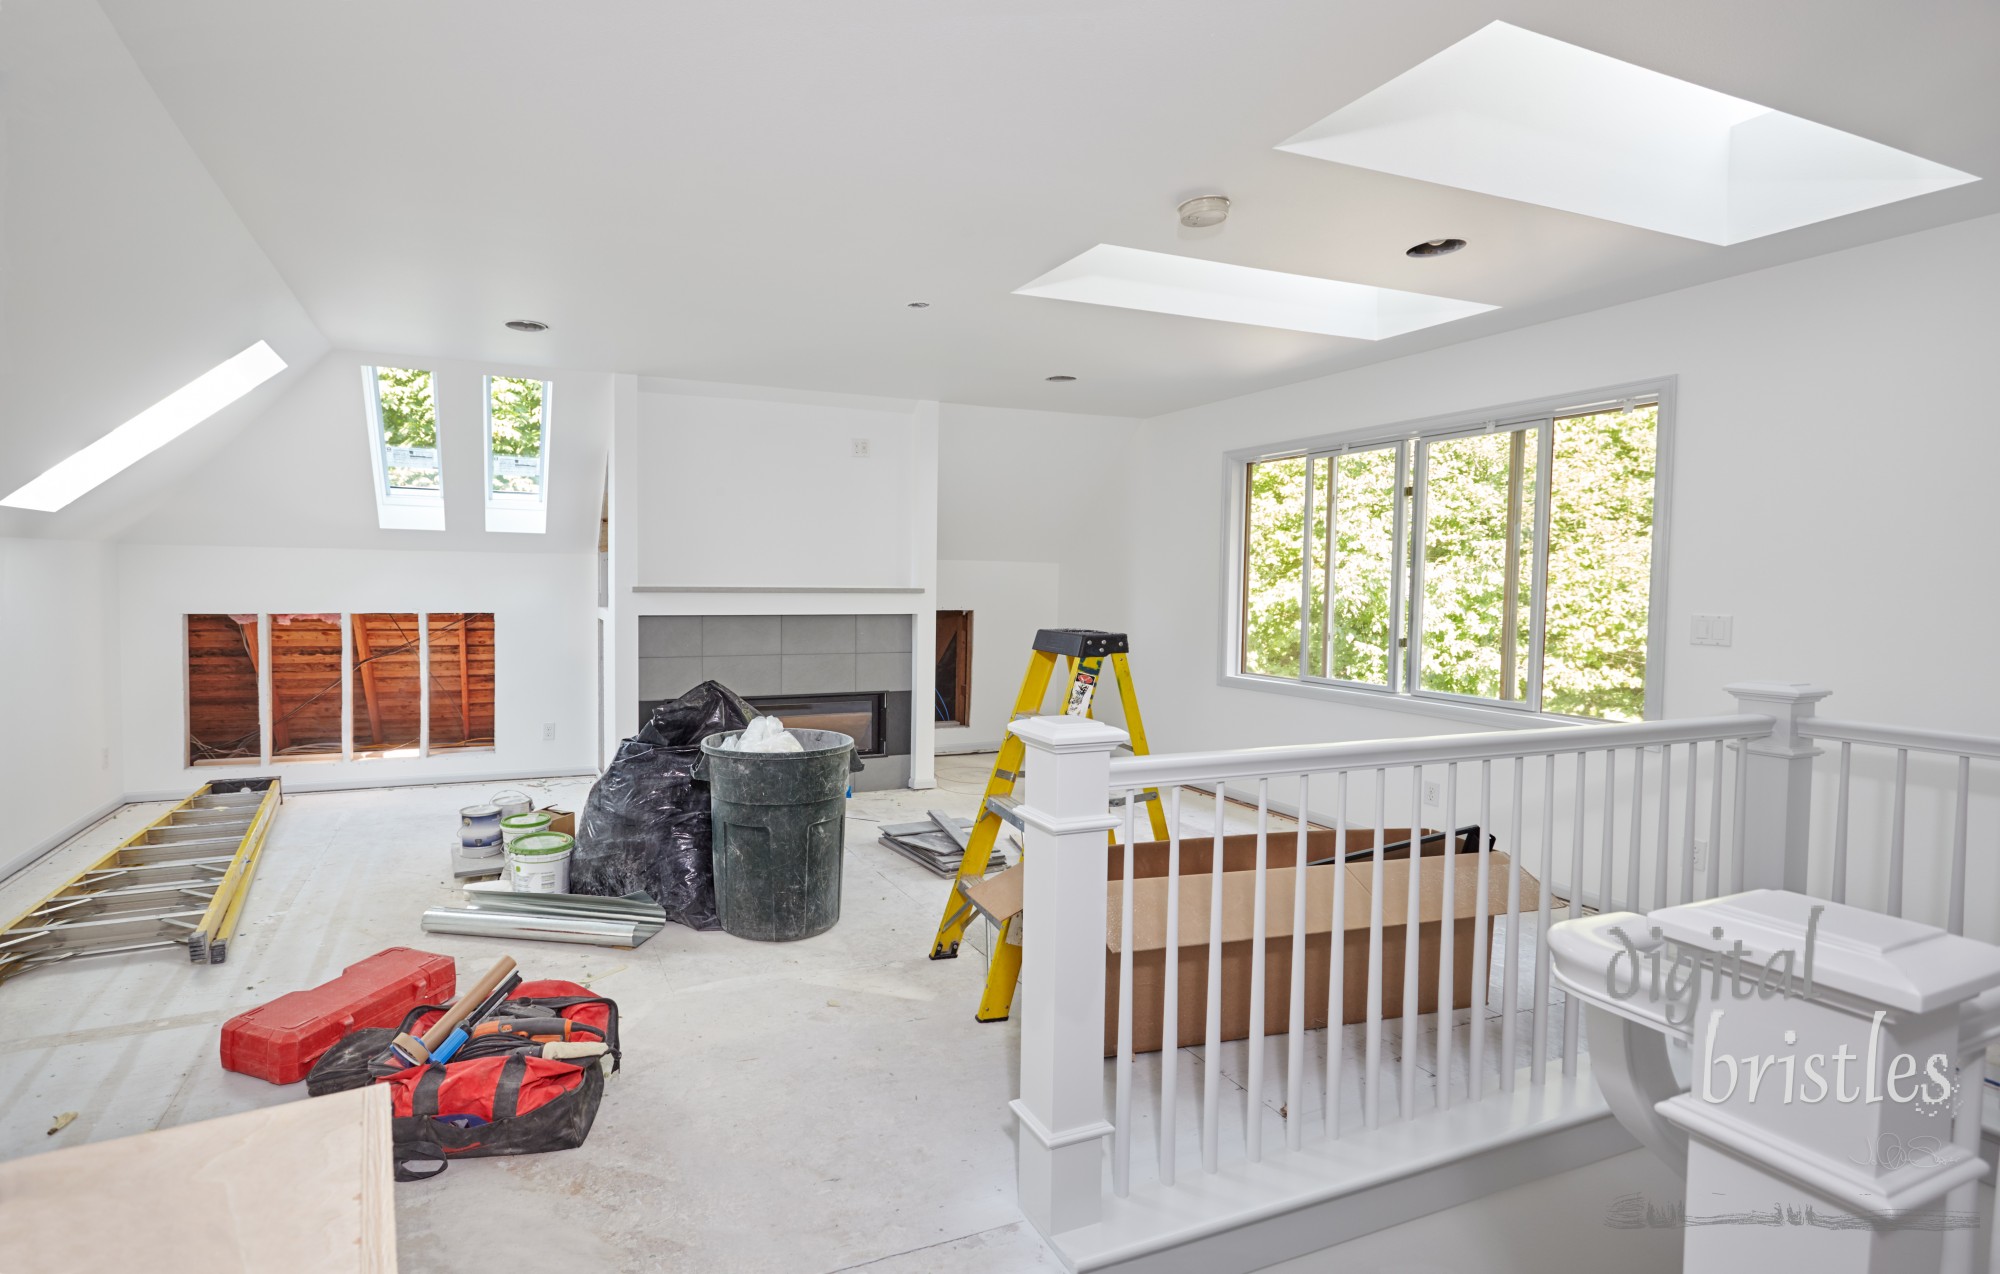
810	1107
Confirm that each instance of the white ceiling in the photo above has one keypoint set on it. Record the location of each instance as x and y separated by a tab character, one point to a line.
750	190
124	272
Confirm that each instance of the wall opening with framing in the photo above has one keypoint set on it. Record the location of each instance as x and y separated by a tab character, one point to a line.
306	678
222	718
461	676
386	676
954	667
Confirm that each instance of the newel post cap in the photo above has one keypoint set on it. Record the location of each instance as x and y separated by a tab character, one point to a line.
1068	734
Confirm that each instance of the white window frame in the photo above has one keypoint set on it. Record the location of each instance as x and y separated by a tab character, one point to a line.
517	511
1401	693
400	508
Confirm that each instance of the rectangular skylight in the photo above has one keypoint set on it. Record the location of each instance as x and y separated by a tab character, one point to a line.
1133	279
400	404
1511	113
148	431
517	453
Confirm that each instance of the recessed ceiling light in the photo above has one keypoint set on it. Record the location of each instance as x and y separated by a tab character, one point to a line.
920	305
1435	248
1058	378
528	325
150	430
1133	279
1204	210
1511	113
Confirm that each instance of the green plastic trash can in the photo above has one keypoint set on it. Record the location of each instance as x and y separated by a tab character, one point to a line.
780	822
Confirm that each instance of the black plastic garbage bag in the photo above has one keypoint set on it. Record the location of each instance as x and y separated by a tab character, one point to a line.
645	825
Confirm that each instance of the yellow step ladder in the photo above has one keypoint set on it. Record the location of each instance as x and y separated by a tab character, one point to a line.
1086	651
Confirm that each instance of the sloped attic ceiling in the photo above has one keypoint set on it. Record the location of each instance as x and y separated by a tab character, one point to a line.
124	272
301	476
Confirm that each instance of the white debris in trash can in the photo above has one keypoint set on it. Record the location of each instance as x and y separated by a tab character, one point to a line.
765	734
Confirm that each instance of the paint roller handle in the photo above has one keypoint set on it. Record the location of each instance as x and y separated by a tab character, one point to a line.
462	1008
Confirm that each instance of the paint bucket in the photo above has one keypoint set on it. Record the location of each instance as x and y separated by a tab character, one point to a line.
514	826
538	863
511	802
479	831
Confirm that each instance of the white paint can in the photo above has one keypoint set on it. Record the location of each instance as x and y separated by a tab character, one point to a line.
514	826
479	831
511	802
538	863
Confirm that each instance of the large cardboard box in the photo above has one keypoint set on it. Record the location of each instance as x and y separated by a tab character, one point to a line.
1000	896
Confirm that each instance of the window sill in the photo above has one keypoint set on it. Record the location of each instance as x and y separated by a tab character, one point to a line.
1464	713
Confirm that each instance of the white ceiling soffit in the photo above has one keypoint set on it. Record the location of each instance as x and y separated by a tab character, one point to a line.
1164	283
1508	112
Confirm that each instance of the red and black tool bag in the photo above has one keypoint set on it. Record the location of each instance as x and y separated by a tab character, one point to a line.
536	1013
510	1105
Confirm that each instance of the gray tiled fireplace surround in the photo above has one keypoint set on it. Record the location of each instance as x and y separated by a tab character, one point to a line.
783	654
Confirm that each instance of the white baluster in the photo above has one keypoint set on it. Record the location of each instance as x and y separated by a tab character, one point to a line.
1170	994
1211	1047
1371	1092
1838	892
1295	1003
1896	827
1412	927
1637	899
1661	848
1447	992
1715	750
1510	973
1253	1096
1687	823
1121	1119
1572	1011
1956	921
1336	984
1482	976
1538	1063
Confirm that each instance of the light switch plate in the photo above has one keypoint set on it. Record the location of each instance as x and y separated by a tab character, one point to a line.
1712	630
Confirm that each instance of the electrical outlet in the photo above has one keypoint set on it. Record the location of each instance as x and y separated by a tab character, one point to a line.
1711	630
860	448
548	732
1700	854
1433	792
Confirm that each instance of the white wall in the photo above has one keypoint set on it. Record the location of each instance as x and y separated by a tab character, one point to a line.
1008	601
763	489
1836	445
833	533
544	619
1034	513
59	753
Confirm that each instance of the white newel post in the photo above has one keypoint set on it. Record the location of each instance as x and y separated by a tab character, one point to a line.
1817	1126
1777	784
1065	815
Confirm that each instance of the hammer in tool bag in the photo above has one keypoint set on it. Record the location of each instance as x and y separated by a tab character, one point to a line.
412	1051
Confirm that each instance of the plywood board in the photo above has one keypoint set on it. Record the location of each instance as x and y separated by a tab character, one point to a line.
303	1187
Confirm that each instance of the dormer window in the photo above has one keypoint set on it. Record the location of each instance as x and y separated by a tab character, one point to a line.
517	453
403	444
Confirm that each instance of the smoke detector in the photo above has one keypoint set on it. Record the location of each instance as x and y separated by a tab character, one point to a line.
1205	210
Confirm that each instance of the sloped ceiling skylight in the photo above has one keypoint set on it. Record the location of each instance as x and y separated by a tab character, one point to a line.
1511	113
1133	279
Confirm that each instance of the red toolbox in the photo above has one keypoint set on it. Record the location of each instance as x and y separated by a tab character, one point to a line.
281	1040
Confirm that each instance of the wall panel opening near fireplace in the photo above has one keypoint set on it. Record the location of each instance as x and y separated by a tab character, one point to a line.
861	717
